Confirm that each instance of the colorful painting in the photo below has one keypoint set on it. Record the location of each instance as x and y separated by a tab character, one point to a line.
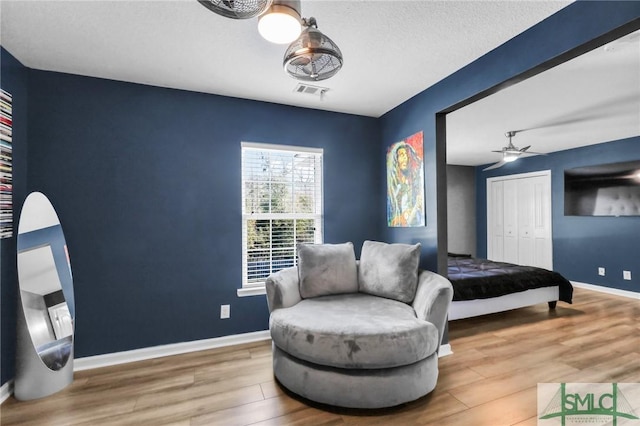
405	183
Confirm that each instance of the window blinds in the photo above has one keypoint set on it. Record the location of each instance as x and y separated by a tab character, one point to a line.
282	207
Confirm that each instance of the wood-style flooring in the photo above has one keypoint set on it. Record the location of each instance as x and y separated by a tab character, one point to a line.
491	378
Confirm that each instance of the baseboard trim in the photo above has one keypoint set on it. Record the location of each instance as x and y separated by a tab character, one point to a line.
116	358
106	360
6	391
608	290
445	350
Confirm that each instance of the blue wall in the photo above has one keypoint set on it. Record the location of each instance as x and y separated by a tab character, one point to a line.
568	29
146	182
580	244
14	79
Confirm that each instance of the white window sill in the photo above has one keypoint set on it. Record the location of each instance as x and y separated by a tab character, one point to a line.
251	291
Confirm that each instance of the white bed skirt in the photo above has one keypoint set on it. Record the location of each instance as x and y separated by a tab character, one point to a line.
473	308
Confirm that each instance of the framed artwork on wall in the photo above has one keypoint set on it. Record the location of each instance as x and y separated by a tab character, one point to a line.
405	183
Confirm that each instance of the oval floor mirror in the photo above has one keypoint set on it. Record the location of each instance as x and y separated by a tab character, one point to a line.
46	310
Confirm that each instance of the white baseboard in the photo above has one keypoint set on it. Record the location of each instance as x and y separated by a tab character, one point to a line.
445	350
608	290
97	361
5	391
116	358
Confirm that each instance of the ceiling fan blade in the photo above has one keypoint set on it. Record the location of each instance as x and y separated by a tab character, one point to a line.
500	152
495	166
301	61
533	153
525	148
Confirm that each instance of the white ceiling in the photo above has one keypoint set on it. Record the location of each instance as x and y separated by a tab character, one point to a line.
591	99
392	49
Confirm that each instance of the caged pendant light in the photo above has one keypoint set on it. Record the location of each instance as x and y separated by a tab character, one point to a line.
237	9
313	56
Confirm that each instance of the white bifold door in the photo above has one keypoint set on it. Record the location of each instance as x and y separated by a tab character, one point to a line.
519	219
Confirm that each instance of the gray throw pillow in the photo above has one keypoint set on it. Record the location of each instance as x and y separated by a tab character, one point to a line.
325	269
389	270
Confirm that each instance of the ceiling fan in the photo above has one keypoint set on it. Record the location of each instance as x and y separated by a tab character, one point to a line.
511	152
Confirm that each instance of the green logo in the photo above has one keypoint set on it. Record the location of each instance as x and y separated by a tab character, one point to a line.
588	403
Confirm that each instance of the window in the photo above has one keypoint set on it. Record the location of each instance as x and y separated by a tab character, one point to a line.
281	207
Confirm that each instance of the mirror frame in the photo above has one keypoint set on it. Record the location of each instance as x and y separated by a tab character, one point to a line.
46	308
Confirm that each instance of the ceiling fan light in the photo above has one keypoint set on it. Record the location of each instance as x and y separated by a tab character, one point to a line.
508	157
280	23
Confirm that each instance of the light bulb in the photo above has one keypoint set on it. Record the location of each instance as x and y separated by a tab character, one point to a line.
280	24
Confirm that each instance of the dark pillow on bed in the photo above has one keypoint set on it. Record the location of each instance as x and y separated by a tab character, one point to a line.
389	270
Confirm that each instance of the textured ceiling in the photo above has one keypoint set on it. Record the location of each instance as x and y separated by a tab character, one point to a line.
591	99
392	49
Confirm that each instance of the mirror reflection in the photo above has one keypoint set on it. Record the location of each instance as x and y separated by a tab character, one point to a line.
46	287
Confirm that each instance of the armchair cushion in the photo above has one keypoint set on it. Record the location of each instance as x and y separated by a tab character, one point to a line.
326	269
389	270
353	331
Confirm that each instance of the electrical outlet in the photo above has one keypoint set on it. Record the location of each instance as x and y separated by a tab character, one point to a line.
225	311
626	275
601	271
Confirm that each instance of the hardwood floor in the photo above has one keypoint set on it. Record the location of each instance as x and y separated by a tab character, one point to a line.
491	379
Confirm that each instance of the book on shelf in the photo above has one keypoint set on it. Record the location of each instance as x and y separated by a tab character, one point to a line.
5	129
5	119
6	108
5	95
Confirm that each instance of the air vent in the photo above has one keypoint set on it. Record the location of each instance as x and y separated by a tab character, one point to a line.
308	89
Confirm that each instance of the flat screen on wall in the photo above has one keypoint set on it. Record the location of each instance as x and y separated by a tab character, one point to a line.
603	190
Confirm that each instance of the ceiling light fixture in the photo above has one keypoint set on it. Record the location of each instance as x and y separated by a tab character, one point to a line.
508	157
237	9
281	22
511	152
313	56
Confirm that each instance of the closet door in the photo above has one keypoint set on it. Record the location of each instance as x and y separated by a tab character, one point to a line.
519	219
541	222
510	207
525	201
495	219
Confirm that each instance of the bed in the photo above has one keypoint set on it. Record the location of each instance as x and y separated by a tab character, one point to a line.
482	286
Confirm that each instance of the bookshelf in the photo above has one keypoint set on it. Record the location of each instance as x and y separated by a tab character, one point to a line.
6	168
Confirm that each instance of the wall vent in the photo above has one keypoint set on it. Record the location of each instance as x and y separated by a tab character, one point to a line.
308	89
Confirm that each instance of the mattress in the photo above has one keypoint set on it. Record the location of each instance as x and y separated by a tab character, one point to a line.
474	278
